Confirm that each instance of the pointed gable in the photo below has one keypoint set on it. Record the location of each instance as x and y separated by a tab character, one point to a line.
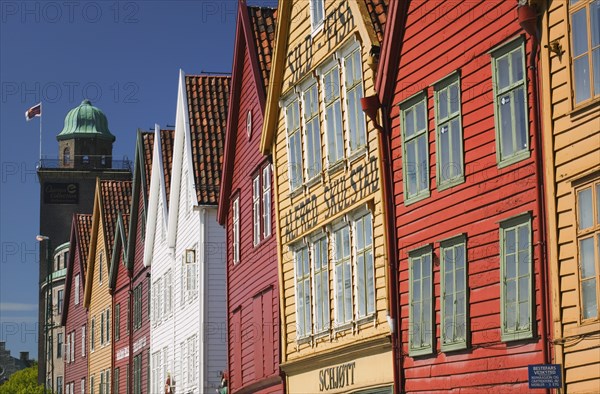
83	232
115	198
167	137
208	98
119	249
147	148
263	20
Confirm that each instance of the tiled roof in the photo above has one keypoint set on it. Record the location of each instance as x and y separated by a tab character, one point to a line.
263	20
167	138
116	197
125	223
147	149
84	229
208	97
378	12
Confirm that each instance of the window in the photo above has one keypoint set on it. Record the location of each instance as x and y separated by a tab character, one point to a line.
312	131
317	14
510	98
354	92
256	208
100	271
149	287
92	335
266	200
191	361
516	294
168	298
191	280
59	385
303	293
292	117
333	116
82	386
157	301
72	349
365	269
92	384
342	275
83	341
101	387
321	284
236	230
117	322
59	344
137	306
249	124
77	289
157	366
60	300
585	48
116	378
102	328
449	149
66	156
453	291
137	374
420	301
588	241
415	154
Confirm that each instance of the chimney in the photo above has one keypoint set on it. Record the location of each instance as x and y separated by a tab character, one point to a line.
24	356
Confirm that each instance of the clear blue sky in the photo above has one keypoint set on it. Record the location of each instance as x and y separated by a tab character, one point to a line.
122	55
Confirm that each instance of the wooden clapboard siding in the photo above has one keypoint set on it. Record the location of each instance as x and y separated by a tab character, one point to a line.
121	298
572	150
439	39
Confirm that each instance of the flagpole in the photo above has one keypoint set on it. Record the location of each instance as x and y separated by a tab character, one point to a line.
41	113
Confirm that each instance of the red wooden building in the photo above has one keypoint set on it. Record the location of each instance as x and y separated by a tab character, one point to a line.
461	106
74	317
245	208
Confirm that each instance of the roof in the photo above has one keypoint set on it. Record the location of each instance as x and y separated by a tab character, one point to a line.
167	137
116	197
147	148
85	121
208	98
83	223
378	13
263	21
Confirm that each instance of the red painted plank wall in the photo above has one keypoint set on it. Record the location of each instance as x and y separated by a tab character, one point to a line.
121	297
440	38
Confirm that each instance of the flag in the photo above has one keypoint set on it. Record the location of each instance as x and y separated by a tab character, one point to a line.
34	111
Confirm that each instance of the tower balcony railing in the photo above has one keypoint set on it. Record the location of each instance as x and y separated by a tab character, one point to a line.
86	162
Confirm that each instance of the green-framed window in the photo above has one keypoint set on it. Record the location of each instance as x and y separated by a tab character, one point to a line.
584	17
292	119
117	322
449	134
365	270
321	284
453	272
312	131
116	380
415	151
588	241
354	92
421	328
333	115
303	293
510	99
343	276
516	278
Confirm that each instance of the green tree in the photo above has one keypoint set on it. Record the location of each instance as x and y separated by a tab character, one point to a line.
23	382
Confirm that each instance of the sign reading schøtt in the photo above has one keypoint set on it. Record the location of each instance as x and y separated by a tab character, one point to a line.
336	377
545	376
61	193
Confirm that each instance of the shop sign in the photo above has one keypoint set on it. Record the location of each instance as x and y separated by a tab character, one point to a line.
337	377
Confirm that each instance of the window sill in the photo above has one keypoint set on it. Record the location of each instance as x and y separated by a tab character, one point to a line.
336	167
343	327
450	183
317	29
416	198
296	192
454	346
516	336
358	153
585	327
420	352
517	157
589	104
370	318
313	181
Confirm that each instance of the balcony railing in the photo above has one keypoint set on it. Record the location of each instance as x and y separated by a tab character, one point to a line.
87	163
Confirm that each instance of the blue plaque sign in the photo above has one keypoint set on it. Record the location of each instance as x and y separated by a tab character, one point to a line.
545	376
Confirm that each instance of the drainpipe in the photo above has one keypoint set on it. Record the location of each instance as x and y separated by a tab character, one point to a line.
371	105
528	20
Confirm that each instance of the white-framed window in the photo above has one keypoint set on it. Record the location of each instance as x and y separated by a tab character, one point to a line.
584	18
510	98
333	115
588	246
73	346
101	267
342	275
421	327
191	274
83	344
453	302
303	293
320	265
168	297
236	230
312	130
92	335
317	14
365	268
449	135
415	148
357	137
256	193
82	385
516	278
156	372
192	361
157	295
249	124
266	200
77	284
292	118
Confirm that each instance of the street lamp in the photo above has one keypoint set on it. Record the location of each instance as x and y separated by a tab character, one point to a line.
48	348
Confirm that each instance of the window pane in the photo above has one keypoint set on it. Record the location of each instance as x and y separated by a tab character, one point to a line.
409	122
444	143
520	119
443	104
584	202
420	109
523	289
586	251
454	98
370	283
411	169
582	79
506	125
503	72
596	68
456	163
598	202
590	306
516	66
422	169
595	22
524	315
579	28
348	291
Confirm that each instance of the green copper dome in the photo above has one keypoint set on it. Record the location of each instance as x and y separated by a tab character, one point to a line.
85	121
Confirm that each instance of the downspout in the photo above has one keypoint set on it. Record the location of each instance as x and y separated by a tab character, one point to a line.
528	20
370	106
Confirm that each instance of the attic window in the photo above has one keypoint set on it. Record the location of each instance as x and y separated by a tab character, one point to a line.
67	156
249	124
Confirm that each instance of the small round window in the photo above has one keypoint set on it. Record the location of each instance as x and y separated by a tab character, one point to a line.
249	124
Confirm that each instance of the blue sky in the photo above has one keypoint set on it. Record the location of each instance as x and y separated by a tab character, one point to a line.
122	55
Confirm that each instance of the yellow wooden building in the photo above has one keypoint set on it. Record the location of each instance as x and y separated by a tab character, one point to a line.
111	197
328	200
570	57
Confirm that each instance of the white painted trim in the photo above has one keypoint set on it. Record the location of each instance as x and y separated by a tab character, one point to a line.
152	204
